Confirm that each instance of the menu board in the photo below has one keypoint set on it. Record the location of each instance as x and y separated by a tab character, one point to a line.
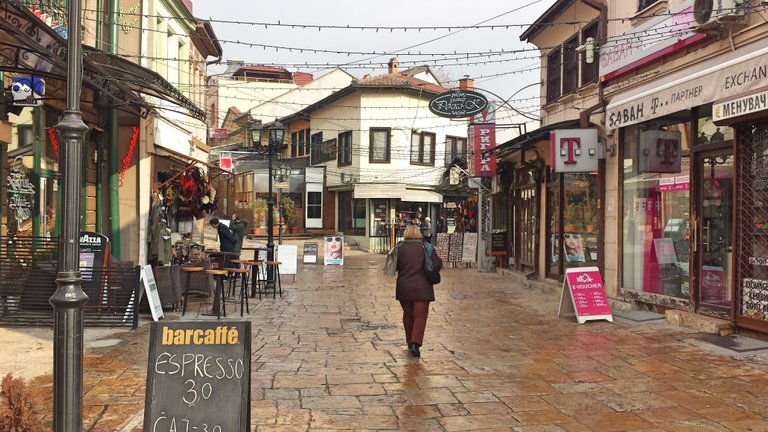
499	243
310	253
199	377
583	295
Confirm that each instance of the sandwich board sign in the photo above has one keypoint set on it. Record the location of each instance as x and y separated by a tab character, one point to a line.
287	255
150	287
199	377
583	295
310	253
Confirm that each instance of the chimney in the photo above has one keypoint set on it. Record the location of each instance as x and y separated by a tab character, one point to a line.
233	64
466	83
393	69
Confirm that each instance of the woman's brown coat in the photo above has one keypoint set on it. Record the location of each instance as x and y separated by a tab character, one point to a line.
412	283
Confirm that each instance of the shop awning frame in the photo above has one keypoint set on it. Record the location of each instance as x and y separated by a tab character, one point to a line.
189	160
29	46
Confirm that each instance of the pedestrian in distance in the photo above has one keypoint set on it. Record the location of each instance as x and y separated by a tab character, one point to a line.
412	289
238	229
426	229
227	241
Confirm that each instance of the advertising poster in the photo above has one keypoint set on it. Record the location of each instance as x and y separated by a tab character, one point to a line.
333	251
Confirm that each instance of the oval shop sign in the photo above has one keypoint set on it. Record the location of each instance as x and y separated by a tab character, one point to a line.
458	103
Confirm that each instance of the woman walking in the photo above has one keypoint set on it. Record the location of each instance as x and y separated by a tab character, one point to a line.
413	290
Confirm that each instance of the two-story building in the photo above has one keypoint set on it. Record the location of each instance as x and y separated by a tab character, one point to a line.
376	154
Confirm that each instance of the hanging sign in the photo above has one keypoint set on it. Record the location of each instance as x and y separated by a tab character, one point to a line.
574	150
480	162
583	295
225	161
21	191
458	104
659	152
27	91
199	377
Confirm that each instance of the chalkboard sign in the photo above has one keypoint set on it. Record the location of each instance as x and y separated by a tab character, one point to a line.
583	295
94	257
310	253
199	377
499	243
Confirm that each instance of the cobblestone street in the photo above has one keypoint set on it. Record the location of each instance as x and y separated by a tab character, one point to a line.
330	355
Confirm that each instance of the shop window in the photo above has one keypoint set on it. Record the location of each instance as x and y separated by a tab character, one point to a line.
455	148
590	72
345	148
314	205
553	75
580	225
380	141
351	214
570	65
422	148
656	230
380	220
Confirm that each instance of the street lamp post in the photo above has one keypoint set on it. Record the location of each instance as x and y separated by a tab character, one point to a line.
69	299
281	176
276	135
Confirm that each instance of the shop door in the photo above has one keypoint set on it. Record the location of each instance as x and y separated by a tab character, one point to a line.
714	233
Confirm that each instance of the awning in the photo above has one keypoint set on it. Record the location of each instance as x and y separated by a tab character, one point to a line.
729	74
29	46
185	158
379	190
420	195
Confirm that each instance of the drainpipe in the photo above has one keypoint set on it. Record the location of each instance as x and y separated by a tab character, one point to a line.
602	34
114	137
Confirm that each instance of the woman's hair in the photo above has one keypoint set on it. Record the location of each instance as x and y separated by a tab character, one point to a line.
412	232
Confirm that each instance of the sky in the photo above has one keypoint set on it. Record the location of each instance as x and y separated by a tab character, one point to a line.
512	76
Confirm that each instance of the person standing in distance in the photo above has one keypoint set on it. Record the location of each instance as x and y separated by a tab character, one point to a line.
238	229
413	290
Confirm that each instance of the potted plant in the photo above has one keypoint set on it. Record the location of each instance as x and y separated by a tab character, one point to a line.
289	214
259	216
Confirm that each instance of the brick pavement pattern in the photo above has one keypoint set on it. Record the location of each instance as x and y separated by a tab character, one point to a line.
330	355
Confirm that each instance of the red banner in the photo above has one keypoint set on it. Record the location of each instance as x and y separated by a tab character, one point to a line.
482	138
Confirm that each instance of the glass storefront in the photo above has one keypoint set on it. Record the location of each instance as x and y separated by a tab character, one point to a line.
656	228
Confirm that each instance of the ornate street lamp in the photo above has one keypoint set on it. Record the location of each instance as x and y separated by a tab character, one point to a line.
276	136
280	176
256	134
69	299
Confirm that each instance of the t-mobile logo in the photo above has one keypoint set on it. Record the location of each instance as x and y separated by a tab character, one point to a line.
570	148
667	150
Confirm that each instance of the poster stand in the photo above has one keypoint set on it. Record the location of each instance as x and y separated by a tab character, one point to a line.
583	296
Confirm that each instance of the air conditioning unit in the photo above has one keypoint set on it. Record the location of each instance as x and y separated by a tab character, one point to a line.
712	15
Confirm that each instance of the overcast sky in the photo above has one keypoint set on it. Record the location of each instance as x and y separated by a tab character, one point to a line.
235	37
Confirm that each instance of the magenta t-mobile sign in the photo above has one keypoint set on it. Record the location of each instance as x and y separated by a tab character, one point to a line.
574	150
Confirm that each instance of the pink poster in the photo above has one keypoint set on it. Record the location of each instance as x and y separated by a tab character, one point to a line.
588	293
713	284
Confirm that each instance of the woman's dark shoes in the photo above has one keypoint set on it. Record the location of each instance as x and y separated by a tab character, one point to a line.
414	349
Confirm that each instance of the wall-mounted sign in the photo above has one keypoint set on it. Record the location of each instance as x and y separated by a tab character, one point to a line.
225	161
458	104
482	138
27	91
486	116
758	261
574	150
219	133
21	191
754	298
674	30
660	152
741	106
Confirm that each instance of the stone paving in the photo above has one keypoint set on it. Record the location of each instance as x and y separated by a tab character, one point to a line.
330	356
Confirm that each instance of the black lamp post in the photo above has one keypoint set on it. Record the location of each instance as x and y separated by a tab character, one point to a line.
69	299
281	175
256	134
276	136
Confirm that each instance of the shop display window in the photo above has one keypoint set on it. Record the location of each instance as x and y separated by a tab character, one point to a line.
655	229
380	221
